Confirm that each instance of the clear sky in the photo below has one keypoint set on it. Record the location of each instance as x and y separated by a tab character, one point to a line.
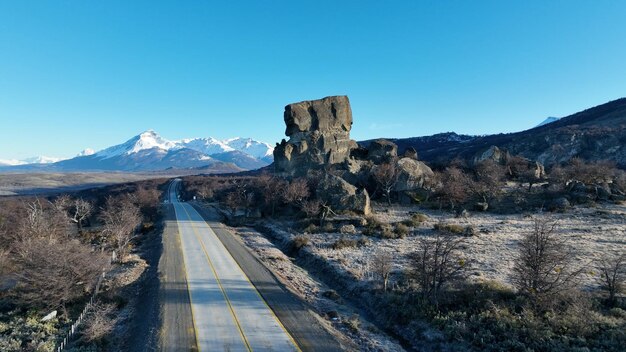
78	74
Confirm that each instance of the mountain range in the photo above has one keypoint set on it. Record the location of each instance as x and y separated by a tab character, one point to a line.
598	133
149	151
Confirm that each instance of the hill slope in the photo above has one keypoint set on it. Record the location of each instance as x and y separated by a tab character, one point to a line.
598	133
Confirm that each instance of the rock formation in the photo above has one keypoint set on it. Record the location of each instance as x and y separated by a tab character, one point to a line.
343	196
320	147
319	135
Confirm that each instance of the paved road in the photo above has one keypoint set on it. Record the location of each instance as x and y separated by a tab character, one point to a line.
228	313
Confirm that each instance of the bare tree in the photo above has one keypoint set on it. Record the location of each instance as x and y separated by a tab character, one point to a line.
297	192
438	262
311	208
120	218
386	177
233	202
41	220
543	269
82	210
272	189
147	198
613	274
455	186
382	264
52	272
99	322
489	180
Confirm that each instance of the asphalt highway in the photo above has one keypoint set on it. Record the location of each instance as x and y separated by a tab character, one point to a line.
228	313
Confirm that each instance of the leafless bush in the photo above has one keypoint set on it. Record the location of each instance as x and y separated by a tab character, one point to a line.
489	180
99	323
613	274
386	177
297	192
438	262
120	217
51	272
454	186
382	264
78	210
311	208
587	172
271	189
40	220
147	198
298	242
544	268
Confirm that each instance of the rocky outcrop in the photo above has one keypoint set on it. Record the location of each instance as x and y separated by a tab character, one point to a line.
319	135
342	196
382	150
493	153
410	152
412	174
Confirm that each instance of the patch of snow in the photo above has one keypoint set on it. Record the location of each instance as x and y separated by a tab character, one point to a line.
144	141
11	162
250	146
207	146
41	160
86	152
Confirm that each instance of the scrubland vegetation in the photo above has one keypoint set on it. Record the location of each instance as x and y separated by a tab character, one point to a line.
491	256
52	252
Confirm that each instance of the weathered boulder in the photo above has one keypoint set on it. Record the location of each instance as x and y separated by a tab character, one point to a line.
412	174
382	150
342	196
410	152
493	153
319	135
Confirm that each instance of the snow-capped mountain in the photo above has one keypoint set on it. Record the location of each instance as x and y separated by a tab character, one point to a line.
41	160
11	162
548	120
207	146
28	161
149	151
249	146
86	152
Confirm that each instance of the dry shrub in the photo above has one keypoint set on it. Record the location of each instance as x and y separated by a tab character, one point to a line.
445	227
382	264
438	262
299	241
53	272
120	218
99	323
415	220
401	230
544	267
344	243
613	274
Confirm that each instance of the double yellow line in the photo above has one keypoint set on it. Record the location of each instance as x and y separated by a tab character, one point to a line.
219	283
230	306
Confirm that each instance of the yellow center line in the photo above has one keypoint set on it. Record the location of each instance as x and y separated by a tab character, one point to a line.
219	283
193	320
268	306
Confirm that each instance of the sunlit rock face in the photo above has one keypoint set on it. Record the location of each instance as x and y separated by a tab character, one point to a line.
319	135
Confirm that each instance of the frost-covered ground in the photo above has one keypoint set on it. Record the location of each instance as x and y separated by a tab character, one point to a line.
593	233
366	338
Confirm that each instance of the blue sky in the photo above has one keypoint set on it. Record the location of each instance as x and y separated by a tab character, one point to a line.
78	74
